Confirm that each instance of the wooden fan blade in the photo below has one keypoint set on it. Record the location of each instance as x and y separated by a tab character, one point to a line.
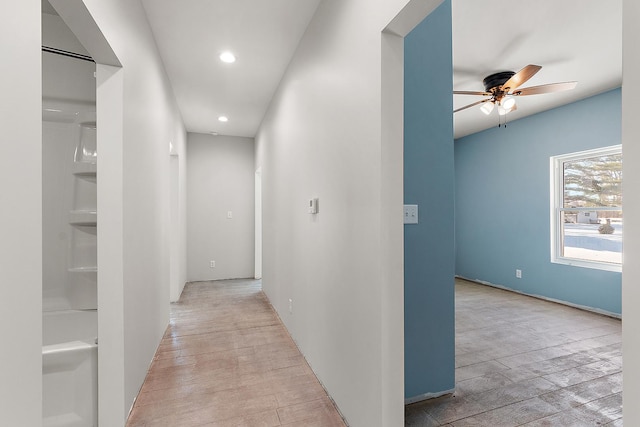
470	92
471	105
520	77
550	88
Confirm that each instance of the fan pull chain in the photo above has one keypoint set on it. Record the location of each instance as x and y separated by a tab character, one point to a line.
500	124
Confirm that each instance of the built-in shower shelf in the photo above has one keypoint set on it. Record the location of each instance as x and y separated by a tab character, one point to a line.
83	270
87	218
84	169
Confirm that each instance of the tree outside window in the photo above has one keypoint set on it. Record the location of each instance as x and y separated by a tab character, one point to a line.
587	219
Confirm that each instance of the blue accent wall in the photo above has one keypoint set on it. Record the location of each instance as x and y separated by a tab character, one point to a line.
429	255
503	202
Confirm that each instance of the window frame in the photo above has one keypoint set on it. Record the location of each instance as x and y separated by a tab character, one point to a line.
557	207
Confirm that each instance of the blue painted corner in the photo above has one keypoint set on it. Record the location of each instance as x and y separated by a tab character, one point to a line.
429	182
502	202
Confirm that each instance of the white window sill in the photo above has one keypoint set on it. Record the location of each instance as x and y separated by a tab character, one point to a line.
588	264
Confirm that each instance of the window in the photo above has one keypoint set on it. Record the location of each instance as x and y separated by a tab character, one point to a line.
586	208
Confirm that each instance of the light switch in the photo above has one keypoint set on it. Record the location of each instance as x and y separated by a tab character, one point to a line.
229	214
313	206
410	214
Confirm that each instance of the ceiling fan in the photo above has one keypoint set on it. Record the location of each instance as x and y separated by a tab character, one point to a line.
502	88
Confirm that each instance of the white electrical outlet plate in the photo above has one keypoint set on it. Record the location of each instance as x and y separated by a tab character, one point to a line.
212	264
518	274
410	214
229	214
290	306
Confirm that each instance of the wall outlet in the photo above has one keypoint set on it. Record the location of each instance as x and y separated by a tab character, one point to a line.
518	274
212	264
410	214
290	306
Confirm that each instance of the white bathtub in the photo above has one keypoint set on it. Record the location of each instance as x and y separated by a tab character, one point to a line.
70	368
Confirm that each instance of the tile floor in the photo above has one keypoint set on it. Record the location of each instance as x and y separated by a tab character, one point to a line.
227	360
521	361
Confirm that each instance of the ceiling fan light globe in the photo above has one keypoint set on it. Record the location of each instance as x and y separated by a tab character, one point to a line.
502	111
508	102
487	108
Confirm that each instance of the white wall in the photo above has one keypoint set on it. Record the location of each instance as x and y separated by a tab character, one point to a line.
65	78
21	216
631	194
56	34
178	213
151	121
221	178
137	119
322	137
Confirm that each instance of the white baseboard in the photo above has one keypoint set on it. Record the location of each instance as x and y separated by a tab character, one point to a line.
557	301
426	396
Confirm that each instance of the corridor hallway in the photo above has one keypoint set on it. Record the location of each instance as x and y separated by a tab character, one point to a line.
227	360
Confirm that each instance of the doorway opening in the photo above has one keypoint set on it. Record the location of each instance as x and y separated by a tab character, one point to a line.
258	225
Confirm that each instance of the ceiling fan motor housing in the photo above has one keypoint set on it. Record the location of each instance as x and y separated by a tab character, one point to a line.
497	79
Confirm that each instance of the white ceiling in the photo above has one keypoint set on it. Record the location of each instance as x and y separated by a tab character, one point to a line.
577	40
262	34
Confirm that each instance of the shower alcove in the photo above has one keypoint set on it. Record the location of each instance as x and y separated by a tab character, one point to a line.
69	215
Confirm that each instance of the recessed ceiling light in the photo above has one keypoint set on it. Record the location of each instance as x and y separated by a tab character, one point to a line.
223	118
227	57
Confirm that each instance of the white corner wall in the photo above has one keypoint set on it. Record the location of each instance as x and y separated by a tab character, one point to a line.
21	216
327	134
178	221
140	119
631	193
221	179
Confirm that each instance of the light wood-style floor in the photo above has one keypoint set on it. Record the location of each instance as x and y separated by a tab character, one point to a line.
521	361
227	360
